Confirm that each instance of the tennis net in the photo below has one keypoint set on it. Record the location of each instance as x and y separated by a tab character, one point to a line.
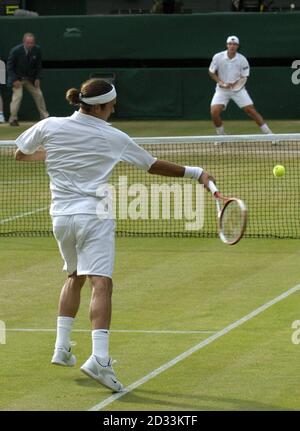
149	205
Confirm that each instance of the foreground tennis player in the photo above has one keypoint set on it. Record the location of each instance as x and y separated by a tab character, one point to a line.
230	70
81	152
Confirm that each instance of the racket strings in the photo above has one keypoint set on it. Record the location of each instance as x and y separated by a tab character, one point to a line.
232	221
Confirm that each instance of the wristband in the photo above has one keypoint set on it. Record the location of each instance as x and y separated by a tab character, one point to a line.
212	187
193	172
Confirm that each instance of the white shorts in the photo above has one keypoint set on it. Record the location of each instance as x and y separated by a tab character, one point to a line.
86	243
223	96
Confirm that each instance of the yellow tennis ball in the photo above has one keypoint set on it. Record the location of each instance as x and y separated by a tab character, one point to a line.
279	171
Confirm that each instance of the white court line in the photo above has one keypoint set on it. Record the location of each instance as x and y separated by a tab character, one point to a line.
129	331
38	210
194	349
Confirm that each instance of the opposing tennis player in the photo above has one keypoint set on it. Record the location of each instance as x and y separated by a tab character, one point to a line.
230	70
81	152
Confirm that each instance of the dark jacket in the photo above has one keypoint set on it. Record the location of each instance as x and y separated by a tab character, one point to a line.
20	66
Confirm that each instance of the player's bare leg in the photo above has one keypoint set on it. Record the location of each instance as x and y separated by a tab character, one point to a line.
70	296
99	364
252	112
100	306
68	306
215	112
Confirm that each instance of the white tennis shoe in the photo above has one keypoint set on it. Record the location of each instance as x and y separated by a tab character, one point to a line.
63	357
104	374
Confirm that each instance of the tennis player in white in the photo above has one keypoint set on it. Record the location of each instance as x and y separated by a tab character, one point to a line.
81	152
230	69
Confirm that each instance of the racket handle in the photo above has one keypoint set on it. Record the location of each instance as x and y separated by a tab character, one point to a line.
212	187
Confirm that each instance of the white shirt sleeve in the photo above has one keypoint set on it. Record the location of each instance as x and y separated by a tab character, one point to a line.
137	156
245	68
214	64
33	138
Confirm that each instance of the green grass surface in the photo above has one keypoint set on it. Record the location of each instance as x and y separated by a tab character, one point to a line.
160	284
176	127
244	171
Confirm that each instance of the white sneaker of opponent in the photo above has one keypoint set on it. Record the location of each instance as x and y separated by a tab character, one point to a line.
63	357
2	119
104	374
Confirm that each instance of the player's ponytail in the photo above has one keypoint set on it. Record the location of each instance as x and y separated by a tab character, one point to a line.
72	96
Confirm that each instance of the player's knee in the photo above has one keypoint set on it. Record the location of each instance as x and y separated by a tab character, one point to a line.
101	284
215	111
76	281
249	110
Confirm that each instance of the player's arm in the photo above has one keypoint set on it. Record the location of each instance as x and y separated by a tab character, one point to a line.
213	72
140	158
168	169
214	76
235	83
37	156
29	144
244	74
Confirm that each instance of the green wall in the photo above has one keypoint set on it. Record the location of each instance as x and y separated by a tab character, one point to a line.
171	93
177	92
263	35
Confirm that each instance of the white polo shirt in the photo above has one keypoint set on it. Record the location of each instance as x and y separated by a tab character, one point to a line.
82	151
229	69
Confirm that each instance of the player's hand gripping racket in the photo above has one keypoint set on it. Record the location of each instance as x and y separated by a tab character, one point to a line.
232	217
236	87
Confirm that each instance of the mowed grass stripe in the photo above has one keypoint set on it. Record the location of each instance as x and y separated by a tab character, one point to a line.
159	283
195	348
126	331
254	367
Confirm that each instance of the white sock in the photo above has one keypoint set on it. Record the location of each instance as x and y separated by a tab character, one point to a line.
265	129
100	339
64	328
220	130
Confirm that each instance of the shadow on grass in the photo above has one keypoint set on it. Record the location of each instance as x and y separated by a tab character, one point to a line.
177	401
88	383
141	399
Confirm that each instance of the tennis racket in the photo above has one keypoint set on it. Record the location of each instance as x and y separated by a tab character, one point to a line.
239	85
232	216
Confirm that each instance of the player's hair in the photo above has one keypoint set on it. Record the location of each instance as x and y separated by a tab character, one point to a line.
91	88
28	35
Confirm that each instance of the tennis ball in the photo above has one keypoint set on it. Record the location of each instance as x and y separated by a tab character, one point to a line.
279	171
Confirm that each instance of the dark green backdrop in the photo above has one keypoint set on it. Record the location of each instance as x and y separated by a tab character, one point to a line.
263	35
148	92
